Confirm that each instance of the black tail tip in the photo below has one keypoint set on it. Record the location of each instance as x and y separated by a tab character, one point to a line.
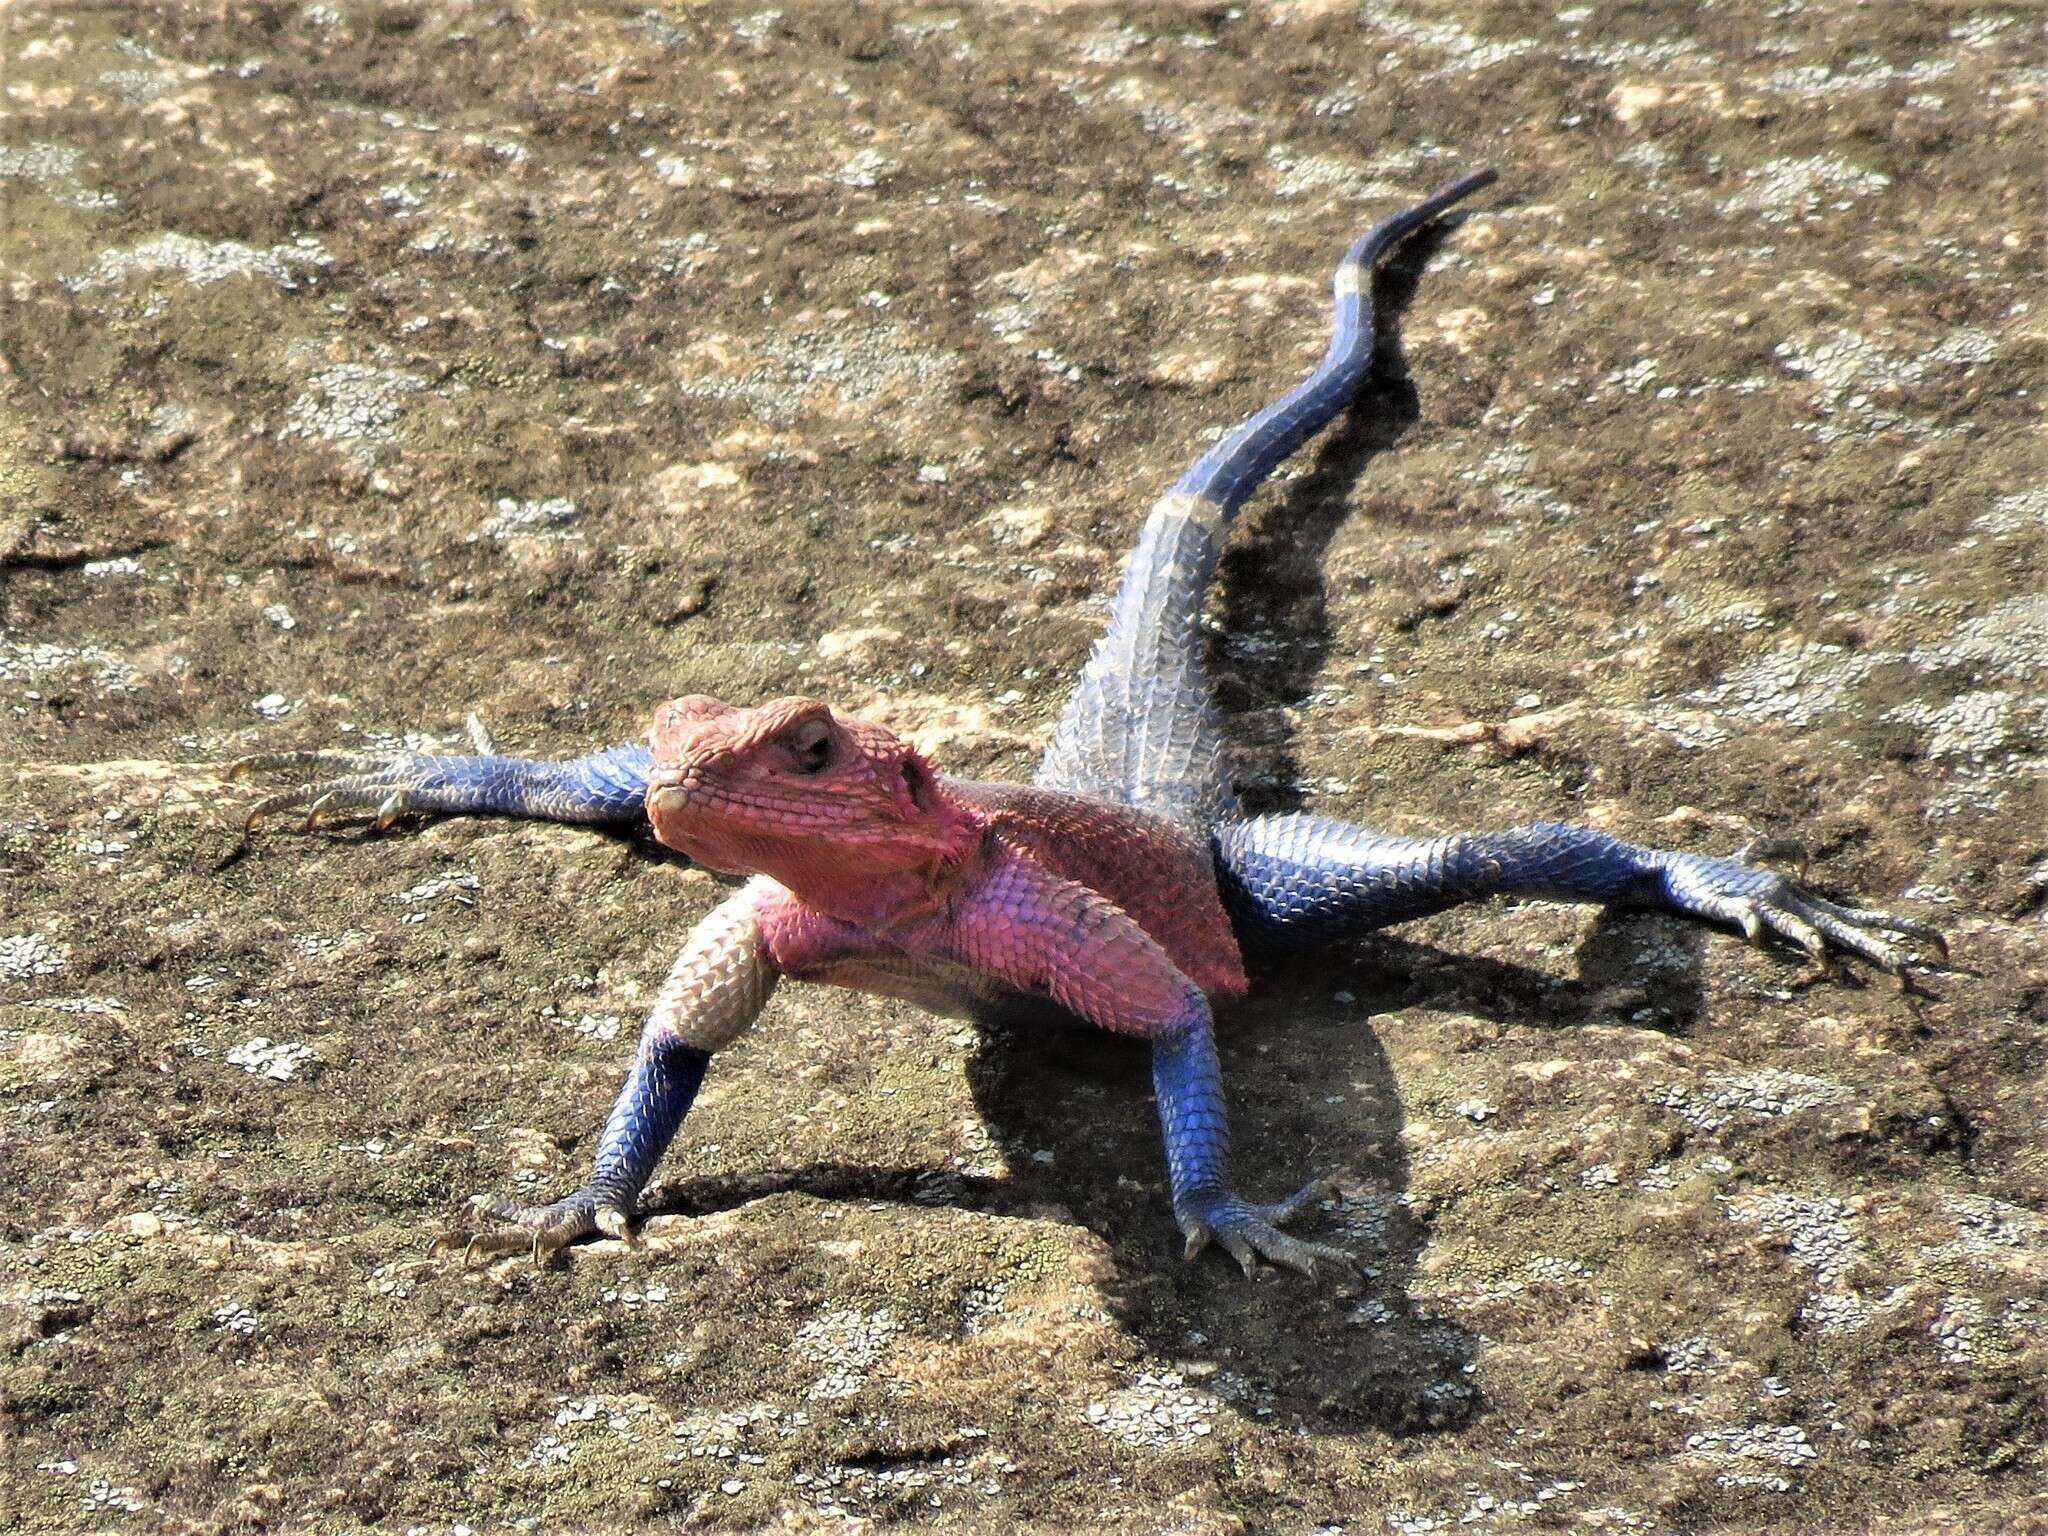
1466	185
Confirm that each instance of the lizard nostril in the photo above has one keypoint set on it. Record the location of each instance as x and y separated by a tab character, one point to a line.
670	791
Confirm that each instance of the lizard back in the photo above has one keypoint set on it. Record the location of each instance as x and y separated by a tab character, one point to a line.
1161	874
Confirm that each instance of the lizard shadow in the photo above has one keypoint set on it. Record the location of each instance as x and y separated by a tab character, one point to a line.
1071	1111
1313	1093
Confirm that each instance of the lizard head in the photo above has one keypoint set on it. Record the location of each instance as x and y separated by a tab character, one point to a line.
847	815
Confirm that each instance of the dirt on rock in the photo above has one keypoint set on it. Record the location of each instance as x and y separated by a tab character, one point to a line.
364	365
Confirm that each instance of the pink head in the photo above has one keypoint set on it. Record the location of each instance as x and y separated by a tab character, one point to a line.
848	816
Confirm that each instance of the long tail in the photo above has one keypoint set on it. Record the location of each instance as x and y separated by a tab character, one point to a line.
1141	727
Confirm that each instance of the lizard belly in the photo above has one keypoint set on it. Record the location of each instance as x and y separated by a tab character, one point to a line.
939	985
956	991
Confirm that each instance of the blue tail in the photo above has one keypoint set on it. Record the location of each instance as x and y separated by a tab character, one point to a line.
1141	727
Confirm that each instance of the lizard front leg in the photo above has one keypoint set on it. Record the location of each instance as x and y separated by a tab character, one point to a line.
1187	1080
603	788
1059	939
716	989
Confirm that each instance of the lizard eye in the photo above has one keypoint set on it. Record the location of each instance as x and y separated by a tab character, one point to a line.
810	745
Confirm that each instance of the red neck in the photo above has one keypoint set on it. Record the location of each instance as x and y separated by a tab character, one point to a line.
880	887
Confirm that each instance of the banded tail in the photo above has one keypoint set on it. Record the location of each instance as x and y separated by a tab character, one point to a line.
1141	727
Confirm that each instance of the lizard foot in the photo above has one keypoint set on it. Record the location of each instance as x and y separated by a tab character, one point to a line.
542	1229
1761	901
1252	1232
387	783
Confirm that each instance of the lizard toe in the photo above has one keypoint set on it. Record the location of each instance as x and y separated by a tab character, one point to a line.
1249	1232
1280	1212
387	784
1763	903
541	1230
387	793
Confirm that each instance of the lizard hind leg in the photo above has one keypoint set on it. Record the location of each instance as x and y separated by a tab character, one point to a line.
1293	881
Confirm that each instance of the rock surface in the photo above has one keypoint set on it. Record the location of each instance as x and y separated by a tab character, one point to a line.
368	364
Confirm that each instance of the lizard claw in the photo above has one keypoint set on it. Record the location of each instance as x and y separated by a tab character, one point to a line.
1761	902
480	736
351	781
543	1230
388	784
1250	1232
1753	930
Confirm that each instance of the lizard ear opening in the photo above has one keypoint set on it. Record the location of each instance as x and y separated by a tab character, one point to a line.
917	782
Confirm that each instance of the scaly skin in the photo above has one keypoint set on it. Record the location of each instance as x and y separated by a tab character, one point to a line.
1121	889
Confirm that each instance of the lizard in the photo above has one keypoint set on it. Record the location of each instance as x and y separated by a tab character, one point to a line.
1124	886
